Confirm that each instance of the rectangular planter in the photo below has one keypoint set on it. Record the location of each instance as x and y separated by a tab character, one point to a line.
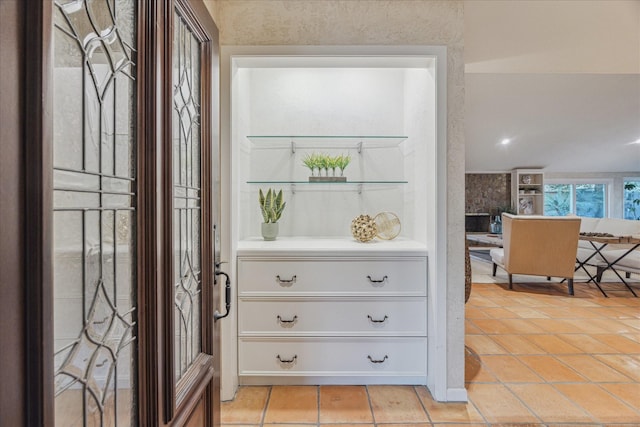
327	179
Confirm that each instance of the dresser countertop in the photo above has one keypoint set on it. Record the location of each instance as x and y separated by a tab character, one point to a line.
301	246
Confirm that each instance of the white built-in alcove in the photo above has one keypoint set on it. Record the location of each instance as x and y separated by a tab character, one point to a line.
381	114
387	112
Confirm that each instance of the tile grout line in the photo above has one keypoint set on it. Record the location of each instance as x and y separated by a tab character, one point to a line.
579	406
266	406
506	386
415	391
611	366
471	402
373	414
519	361
557	358
618	399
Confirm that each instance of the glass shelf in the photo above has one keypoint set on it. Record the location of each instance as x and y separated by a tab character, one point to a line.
330	183
356	186
356	142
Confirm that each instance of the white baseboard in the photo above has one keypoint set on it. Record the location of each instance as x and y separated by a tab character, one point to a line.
457	395
332	380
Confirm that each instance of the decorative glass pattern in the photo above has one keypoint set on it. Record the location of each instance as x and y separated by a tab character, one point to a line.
94	213
186	147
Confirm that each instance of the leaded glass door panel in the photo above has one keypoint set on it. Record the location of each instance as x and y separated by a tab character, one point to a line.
94	212
189	201
125	333
187	198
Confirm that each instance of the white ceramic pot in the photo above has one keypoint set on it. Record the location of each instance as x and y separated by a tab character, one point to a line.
269	230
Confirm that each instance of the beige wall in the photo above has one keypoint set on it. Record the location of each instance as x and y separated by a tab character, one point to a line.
214	9
385	23
594	36
329	22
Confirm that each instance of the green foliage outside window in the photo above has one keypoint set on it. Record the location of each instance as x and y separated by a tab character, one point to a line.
557	199
589	200
632	200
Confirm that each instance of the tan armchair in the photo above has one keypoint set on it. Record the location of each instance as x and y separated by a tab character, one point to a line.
538	246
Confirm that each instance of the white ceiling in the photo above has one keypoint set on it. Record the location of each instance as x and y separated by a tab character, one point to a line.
560	79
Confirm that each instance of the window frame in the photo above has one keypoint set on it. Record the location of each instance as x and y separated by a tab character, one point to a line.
624	182
607	182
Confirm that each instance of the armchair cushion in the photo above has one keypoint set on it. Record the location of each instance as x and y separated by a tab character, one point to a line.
588	225
617	226
631	262
497	256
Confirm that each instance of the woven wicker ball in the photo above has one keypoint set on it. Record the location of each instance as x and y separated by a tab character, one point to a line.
388	225
363	228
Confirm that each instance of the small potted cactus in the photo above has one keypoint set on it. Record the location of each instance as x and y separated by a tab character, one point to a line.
271	205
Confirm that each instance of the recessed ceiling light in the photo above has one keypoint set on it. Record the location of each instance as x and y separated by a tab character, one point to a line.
505	141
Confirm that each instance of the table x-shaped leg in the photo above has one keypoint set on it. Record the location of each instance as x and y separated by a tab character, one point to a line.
581	264
610	266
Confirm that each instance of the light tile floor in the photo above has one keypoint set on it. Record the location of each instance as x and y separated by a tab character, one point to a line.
535	356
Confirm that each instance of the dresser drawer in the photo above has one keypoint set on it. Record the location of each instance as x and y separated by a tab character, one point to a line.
323	316
323	276
332	356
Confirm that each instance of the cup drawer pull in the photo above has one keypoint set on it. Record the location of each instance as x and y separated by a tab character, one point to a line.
288	361
384	319
284	321
378	360
286	282
377	281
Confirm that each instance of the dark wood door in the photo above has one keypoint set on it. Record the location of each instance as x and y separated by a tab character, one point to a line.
109	152
190	201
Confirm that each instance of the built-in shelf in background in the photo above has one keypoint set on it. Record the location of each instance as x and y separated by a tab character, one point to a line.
355	142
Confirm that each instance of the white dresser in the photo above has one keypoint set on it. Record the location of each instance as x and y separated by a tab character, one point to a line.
332	311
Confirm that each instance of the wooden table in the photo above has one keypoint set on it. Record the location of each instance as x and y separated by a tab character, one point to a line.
494	240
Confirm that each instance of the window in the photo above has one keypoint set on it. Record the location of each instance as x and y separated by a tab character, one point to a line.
583	199
631	198
558	199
